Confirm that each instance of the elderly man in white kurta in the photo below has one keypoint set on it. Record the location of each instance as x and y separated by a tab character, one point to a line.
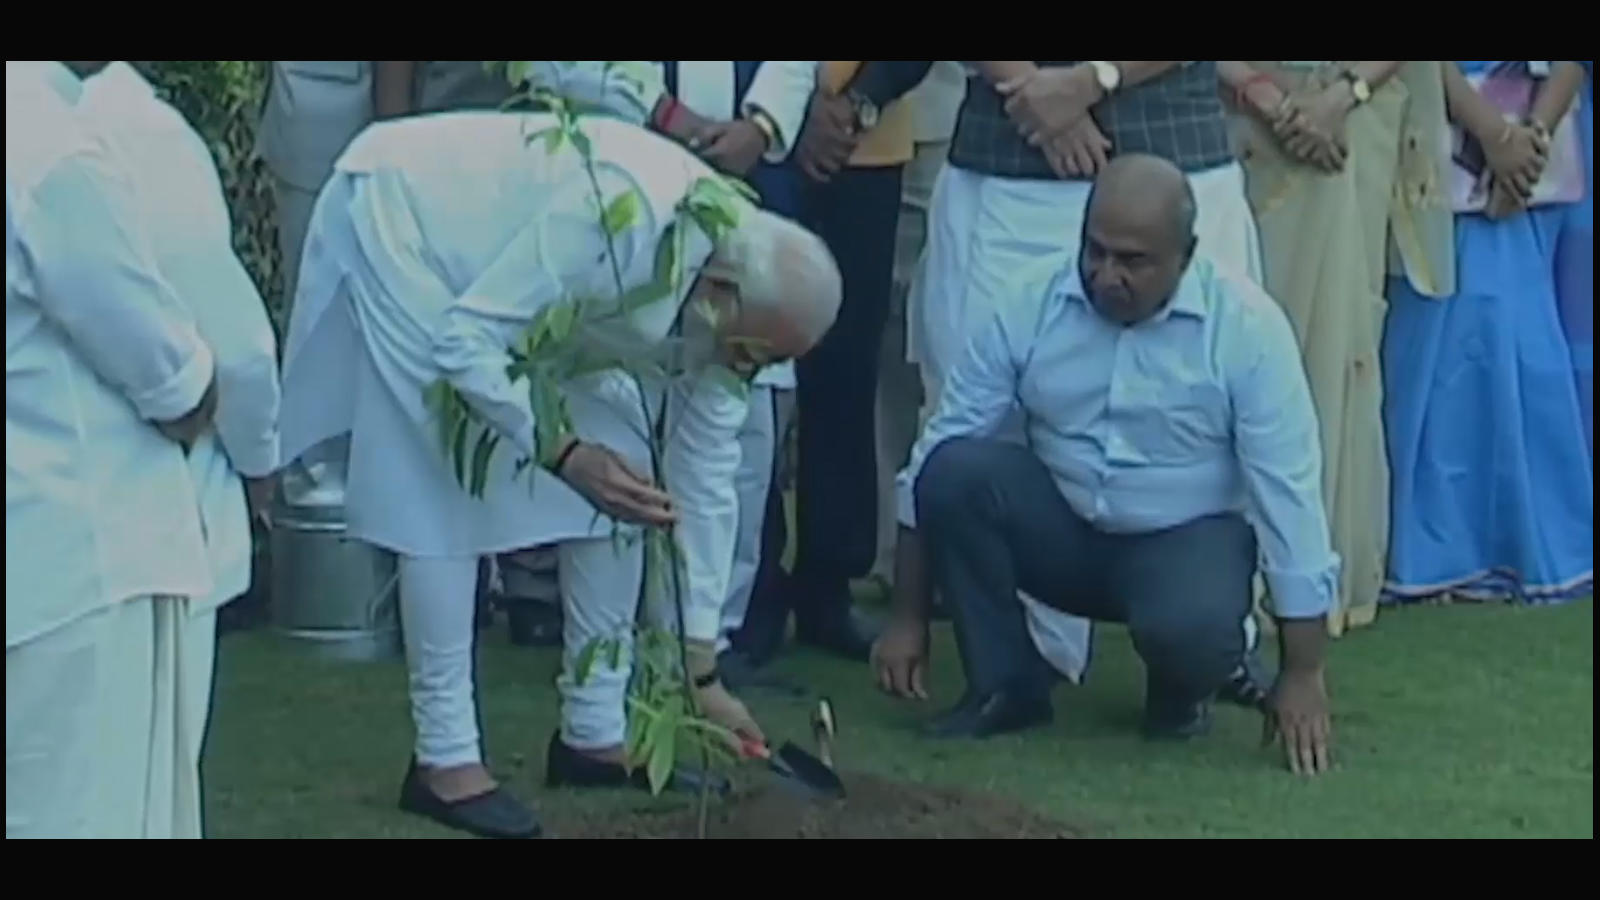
183	210
434	245
107	379
769	99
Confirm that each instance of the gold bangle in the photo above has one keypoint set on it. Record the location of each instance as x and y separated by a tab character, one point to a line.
760	119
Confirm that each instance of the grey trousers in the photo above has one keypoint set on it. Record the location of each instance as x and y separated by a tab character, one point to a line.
993	522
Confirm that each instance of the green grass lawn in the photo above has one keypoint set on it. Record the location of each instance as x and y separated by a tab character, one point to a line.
1452	722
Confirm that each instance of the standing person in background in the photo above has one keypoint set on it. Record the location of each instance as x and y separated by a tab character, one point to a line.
857	139
1030	138
312	110
1343	160
1493	487
180	203
934	104
108	383
756	109
1575	265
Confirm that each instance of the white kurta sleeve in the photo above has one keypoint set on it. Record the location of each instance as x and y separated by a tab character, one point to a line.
233	320
701	460
95	276
558	255
782	89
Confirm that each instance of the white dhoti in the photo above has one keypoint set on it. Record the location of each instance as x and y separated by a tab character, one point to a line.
983	231
105	718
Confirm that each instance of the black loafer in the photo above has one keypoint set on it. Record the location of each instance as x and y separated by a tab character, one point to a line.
982	716
566	767
494	815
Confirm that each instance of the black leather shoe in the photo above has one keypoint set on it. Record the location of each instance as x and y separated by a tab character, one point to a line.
843	633
1249	686
495	815
739	673
566	767
1180	723
981	716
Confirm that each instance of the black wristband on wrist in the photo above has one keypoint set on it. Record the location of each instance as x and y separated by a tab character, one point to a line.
555	467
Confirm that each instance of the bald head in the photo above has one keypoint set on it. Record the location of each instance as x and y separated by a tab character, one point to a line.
1138	237
1150	188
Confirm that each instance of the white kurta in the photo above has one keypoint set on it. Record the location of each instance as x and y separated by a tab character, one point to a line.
982	231
101	516
436	242
186	216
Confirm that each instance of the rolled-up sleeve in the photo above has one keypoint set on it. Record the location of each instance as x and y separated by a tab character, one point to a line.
701	460
1277	439
95	276
977	394
230	315
782	89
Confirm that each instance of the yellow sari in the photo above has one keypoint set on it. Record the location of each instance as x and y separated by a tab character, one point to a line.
1328	243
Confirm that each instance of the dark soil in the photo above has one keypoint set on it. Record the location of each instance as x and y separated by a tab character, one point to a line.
874	808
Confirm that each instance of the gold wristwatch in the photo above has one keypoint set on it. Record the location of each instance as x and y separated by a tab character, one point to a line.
1359	88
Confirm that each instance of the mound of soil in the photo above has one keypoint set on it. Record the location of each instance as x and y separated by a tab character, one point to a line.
873	808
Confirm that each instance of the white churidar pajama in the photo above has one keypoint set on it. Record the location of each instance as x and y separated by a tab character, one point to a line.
103	528
434	244
982	232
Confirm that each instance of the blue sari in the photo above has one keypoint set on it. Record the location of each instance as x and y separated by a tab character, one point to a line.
1492	477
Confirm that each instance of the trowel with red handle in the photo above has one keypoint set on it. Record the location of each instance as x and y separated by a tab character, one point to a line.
797	767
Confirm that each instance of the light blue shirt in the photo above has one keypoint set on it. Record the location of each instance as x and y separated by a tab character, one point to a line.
1202	409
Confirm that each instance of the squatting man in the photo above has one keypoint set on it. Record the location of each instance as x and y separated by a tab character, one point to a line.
1170	435
435	243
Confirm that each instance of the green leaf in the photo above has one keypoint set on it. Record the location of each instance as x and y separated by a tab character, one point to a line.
745	189
581	141
663	751
480	461
583	667
621	213
638	734
518	71
616	654
458	451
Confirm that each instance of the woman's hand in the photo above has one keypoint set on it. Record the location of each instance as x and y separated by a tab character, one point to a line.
1311	126
1517	157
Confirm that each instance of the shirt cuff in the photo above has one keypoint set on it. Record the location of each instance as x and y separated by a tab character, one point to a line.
180	394
1302	595
257	459
779	151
